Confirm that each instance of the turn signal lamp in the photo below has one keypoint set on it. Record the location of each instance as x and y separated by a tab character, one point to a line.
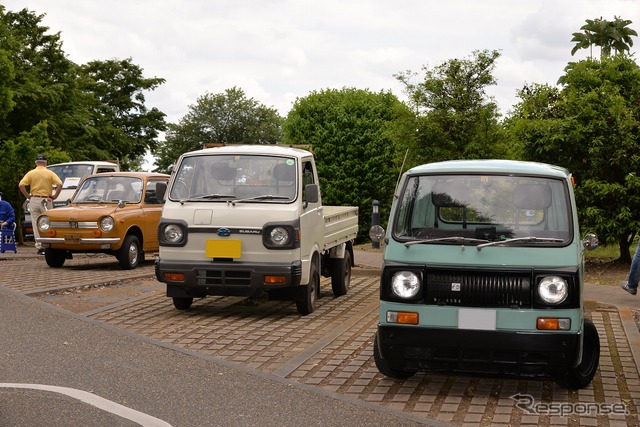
274	280
51	233
97	233
175	277
402	317
553	324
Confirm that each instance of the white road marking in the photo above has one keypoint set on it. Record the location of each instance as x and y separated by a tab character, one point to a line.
97	401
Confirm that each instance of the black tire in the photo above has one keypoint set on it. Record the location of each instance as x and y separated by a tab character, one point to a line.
182	303
341	275
582	375
55	257
130	255
383	365
308	304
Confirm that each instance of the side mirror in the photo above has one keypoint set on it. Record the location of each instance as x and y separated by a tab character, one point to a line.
376	233
161	189
590	241
311	193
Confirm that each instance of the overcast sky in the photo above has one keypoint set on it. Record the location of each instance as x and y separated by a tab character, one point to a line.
280	50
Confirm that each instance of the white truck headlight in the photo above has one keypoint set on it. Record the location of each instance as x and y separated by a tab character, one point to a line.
44	223
405	284
107	223
172	233
553	289
279	236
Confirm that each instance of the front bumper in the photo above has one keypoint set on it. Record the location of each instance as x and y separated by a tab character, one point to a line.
225	278
83	244
527	354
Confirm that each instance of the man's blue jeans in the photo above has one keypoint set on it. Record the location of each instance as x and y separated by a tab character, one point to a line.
634	272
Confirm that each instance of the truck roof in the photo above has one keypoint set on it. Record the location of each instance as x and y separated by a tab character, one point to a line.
492	166
264	149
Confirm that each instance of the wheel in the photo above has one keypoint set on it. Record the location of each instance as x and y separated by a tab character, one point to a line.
129	255
55	257
182	303
312	289
383	365
341	275
582	375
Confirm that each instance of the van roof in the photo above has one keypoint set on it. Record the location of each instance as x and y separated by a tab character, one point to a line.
492	166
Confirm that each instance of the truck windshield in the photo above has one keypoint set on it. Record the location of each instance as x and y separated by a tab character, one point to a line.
245	178
478	209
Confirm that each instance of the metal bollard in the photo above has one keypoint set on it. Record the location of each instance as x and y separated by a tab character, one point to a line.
375	220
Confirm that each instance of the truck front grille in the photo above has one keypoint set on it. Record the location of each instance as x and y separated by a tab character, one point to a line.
224	278
476	289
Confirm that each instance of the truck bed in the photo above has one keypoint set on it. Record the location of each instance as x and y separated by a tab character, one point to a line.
341	225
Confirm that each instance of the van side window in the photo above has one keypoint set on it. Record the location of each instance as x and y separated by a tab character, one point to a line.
105	170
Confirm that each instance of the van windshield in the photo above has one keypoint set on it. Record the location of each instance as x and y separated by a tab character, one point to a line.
239	178
70	175
478	209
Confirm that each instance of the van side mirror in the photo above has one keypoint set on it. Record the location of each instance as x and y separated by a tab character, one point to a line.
590	241
311	193
161	189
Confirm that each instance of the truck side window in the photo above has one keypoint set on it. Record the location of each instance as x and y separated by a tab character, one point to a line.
307	176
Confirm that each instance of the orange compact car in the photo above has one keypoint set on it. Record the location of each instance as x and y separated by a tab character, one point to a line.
114	213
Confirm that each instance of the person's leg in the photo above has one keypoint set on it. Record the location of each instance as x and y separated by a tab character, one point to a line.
634	271
36	209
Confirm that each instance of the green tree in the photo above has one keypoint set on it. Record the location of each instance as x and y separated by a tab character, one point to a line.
354	134
49	104
121	126
591	127
224	118
608	35
455	118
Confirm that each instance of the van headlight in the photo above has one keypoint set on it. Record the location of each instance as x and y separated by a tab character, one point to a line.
553	290
405	284
107	223
44	223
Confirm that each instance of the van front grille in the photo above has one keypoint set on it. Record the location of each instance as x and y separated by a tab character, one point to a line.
477	289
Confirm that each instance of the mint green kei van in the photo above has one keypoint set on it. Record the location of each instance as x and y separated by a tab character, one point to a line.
483	273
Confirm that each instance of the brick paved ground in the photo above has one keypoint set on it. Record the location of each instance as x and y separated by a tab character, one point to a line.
332	348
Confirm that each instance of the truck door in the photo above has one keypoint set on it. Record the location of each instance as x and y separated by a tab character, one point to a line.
311	217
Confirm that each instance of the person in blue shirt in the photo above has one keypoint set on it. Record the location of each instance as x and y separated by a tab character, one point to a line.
7	214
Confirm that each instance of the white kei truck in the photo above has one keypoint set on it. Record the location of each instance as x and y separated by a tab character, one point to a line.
248	220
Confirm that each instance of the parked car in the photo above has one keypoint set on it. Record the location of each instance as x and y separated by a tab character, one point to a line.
114	213
70	173
484	272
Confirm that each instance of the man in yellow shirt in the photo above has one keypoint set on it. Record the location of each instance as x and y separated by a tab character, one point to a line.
40	181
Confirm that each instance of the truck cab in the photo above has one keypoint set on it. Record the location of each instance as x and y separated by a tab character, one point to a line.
483	272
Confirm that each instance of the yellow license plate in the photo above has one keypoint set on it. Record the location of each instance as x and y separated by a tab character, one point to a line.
72	238
223	248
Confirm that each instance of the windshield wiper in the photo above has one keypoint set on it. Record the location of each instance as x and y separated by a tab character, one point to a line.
528	239
208	196
263	197
452	239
